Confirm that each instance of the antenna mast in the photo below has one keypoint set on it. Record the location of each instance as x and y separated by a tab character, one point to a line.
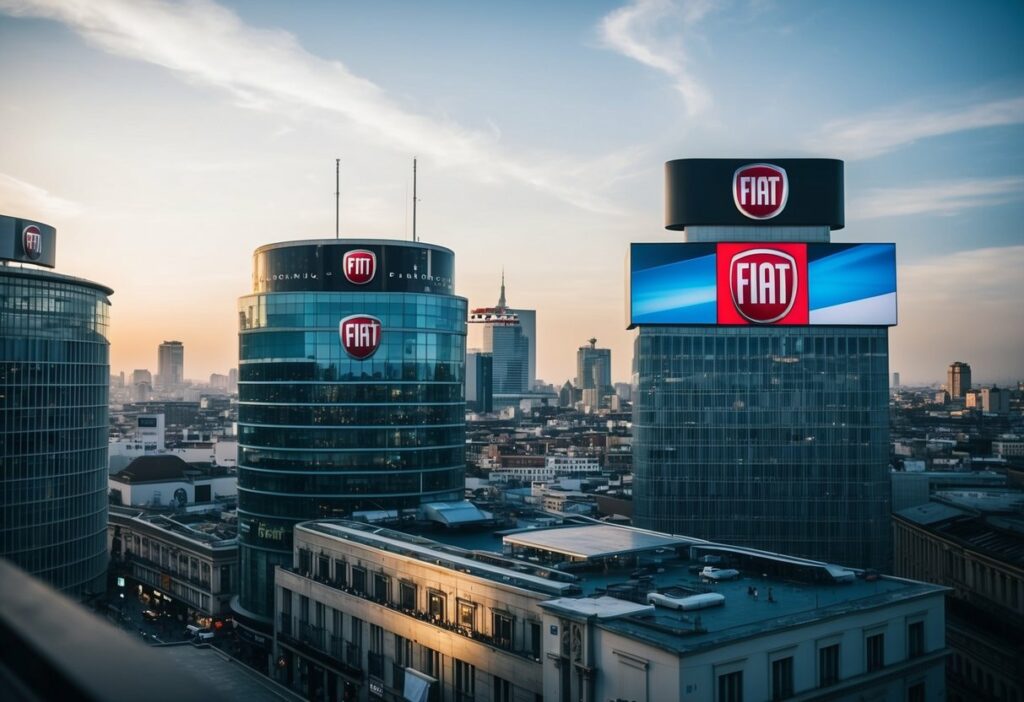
414	199
337	193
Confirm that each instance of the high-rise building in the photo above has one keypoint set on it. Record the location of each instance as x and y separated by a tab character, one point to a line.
351	372
54	386
594	368
170	365
508	348
896	379
761	413
958	380
528	324
479	381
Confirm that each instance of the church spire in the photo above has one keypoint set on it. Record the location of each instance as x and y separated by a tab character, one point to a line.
501	300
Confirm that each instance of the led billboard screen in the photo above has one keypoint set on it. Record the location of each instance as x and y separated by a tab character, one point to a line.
762	284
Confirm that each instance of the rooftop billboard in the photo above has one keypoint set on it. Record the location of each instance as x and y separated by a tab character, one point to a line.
762	284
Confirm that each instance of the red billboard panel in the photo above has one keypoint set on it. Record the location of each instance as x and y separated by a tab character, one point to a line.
762	283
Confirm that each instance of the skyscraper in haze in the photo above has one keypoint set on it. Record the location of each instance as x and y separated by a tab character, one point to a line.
351	372
528	325
958	380
170	365
594	368
54	385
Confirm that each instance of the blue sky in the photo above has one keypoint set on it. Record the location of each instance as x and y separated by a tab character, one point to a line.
168	140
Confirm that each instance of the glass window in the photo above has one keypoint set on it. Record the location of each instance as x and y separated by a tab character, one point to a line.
730	687
875	651
782	678
915	639
828	665
435	605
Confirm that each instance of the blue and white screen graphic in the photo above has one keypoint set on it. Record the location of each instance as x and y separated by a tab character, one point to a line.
852	284
846	284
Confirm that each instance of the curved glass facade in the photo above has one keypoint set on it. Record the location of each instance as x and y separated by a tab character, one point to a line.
775	438
322	434
54	380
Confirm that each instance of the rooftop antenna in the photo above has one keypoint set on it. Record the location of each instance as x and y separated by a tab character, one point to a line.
337	194
414	199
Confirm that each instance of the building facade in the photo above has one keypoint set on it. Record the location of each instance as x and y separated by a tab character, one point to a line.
336	419
54	372
365	613
594	368
757	425
479	381
190	559
170	365
978	556
958	380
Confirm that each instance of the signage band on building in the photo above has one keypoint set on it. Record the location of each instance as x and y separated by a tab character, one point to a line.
740	283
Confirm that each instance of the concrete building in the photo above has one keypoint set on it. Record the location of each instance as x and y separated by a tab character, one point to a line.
170	365
593	612
979	555
594	371
544	468
191	560
168	481
958	380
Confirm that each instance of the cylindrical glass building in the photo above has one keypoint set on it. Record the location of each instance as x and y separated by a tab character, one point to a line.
351	371
54	384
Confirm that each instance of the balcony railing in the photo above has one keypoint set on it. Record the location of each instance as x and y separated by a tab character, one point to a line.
397	676
503	643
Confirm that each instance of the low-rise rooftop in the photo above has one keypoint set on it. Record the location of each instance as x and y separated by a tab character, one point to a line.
607	571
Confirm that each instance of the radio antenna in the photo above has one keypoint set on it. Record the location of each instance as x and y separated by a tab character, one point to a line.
414	199
337	194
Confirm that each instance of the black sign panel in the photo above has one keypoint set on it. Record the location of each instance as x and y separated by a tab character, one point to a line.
785	192
348	265
27	241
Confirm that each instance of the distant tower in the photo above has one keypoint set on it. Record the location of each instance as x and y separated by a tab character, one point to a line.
594	368
170	364
528	323
958	380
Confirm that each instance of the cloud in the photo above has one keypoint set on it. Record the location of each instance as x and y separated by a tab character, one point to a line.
961	305
269	70
638	31
21	199
941	198
879	133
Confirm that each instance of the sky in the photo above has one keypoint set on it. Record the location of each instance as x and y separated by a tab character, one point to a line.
166	141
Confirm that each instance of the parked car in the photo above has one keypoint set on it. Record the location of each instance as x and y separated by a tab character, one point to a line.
150	615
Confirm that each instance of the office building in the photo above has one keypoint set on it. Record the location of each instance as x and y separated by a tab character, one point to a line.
593	612
170	365
528	324
479	381
351	379
896	379
54	386
958	380
593	367
761	413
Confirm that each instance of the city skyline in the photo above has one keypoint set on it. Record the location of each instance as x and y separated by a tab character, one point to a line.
178	160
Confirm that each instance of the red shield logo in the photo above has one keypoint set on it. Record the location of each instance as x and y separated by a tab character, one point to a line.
32	241
760	190
763	284
360	335
359	266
